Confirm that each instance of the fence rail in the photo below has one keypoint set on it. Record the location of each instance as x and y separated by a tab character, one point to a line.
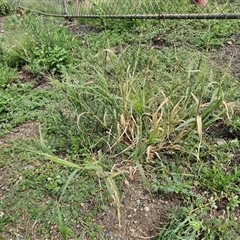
148	9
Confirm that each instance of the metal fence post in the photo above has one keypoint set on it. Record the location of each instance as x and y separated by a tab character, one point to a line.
64	4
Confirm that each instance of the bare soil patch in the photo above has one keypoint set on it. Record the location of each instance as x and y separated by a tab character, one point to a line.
221	131
26	130
80	29
228	56
25	76
142	214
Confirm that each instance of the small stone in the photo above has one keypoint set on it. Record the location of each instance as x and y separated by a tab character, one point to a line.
20	237
135	222
229	42
108	234
127	183
132	230
2	31
124	201
221	142
129	216
16	130
221	217
147	209
29	167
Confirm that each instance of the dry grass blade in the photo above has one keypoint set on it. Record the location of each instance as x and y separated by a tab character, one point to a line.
200	132
199	127
113	190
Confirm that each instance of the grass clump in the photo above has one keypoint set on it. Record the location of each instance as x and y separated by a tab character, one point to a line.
134	109
41	53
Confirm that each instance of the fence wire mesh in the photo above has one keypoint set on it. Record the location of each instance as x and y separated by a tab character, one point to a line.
138	8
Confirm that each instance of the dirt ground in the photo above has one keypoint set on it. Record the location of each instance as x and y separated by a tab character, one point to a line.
229	56
142	214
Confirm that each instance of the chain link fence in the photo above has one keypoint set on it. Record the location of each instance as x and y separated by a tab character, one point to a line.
168	9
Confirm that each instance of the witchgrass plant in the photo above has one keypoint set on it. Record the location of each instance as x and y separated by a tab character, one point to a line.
17	51
128	112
